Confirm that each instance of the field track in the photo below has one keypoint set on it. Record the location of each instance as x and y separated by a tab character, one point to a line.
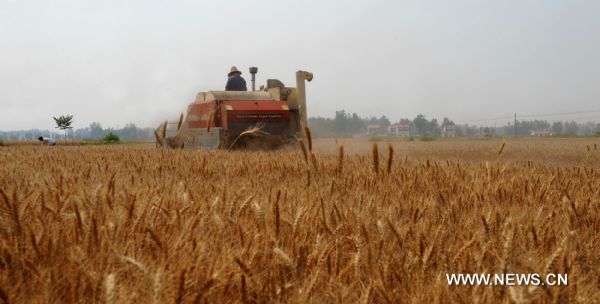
130	223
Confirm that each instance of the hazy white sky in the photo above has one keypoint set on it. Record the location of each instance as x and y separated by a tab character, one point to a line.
117	61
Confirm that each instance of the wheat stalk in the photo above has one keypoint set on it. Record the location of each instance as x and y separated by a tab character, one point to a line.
164	134
136	263
375	156
283	257
276	213
253	131
158	138
308	138
180	122
303	147
313	160
180	287
175	225
340	164
109	285
244	289
502	148
390	158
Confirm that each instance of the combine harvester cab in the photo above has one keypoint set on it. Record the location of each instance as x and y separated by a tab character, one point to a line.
269	118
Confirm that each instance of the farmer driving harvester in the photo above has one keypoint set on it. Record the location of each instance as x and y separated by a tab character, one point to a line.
237	118
235	82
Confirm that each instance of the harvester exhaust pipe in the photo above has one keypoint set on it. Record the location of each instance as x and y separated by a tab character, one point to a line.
301	76
253	71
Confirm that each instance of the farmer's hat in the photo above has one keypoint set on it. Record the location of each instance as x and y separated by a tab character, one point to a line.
233	70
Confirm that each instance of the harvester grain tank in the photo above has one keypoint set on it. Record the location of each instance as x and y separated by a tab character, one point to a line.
267	118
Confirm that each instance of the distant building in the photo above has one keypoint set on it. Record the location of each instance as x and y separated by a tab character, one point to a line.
541	133
487	132
374	129
449	130
399	130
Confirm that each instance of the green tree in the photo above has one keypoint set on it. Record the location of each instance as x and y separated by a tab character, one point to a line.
447	122
357	125
64	123
434	128
96	130
570	128
130	131
111	138
384	122
557	127
340	122
421	124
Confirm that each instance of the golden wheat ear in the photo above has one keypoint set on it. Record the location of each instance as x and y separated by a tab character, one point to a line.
180	122
340	165
158	139
253	131
390	158
375	155
308	138
303	147
164	133
502	148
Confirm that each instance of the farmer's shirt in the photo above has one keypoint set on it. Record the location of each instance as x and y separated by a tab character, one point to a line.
49	141
236	83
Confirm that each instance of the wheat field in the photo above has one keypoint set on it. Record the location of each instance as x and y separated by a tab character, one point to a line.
343	222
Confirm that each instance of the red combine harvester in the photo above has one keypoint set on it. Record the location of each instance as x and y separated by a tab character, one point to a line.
268	118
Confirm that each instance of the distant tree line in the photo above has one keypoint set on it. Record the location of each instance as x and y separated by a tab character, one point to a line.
344	124
526	127
94	131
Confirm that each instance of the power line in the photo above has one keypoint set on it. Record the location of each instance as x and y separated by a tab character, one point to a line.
488	119
595	117
534	115
560	114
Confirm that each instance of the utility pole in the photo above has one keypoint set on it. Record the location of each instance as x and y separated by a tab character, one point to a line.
515	124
